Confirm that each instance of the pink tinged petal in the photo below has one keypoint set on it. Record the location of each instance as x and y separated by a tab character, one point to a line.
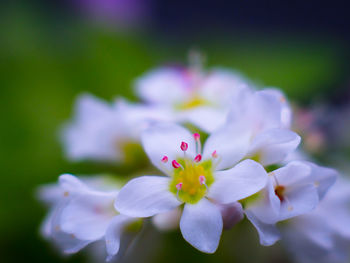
165	139
245	179
273	146
201	225
87	216
298	201
229	143
231	214
146	196
268	233
114	233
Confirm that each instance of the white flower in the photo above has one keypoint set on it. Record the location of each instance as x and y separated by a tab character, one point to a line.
102	131
82	214
291	191
199	181
266	116
191	95
324	234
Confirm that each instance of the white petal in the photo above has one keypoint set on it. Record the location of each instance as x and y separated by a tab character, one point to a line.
274	145
162	86
231	144
167	221
89	107
315	228
134	118
268	233
259	110
164	139
322	177
205	118
299	201
267	208
91	133
66	241
286	111
221	85
306	250
266	110
146	196
71	184
201	225
87	216
50	194
113	234
46	225
293	173
245	179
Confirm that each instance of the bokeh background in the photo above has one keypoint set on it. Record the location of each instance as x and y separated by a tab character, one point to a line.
51	51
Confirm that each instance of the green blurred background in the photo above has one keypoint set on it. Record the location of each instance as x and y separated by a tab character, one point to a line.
48	57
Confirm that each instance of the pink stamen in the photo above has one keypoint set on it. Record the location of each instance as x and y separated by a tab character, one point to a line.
198	158
202	179
165	159
175	164
178	186
184	146
214	154
196	136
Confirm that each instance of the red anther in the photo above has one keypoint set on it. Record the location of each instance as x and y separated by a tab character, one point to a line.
196	136
198	158
202	179
184	146
179	186
165	159
175	164
214	154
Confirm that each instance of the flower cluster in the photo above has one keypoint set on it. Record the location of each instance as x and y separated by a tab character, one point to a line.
223	148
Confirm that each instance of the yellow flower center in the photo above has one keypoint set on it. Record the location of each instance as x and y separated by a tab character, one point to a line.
194	102
191	181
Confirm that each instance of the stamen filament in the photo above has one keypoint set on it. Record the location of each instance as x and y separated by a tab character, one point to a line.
198	143
178	187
